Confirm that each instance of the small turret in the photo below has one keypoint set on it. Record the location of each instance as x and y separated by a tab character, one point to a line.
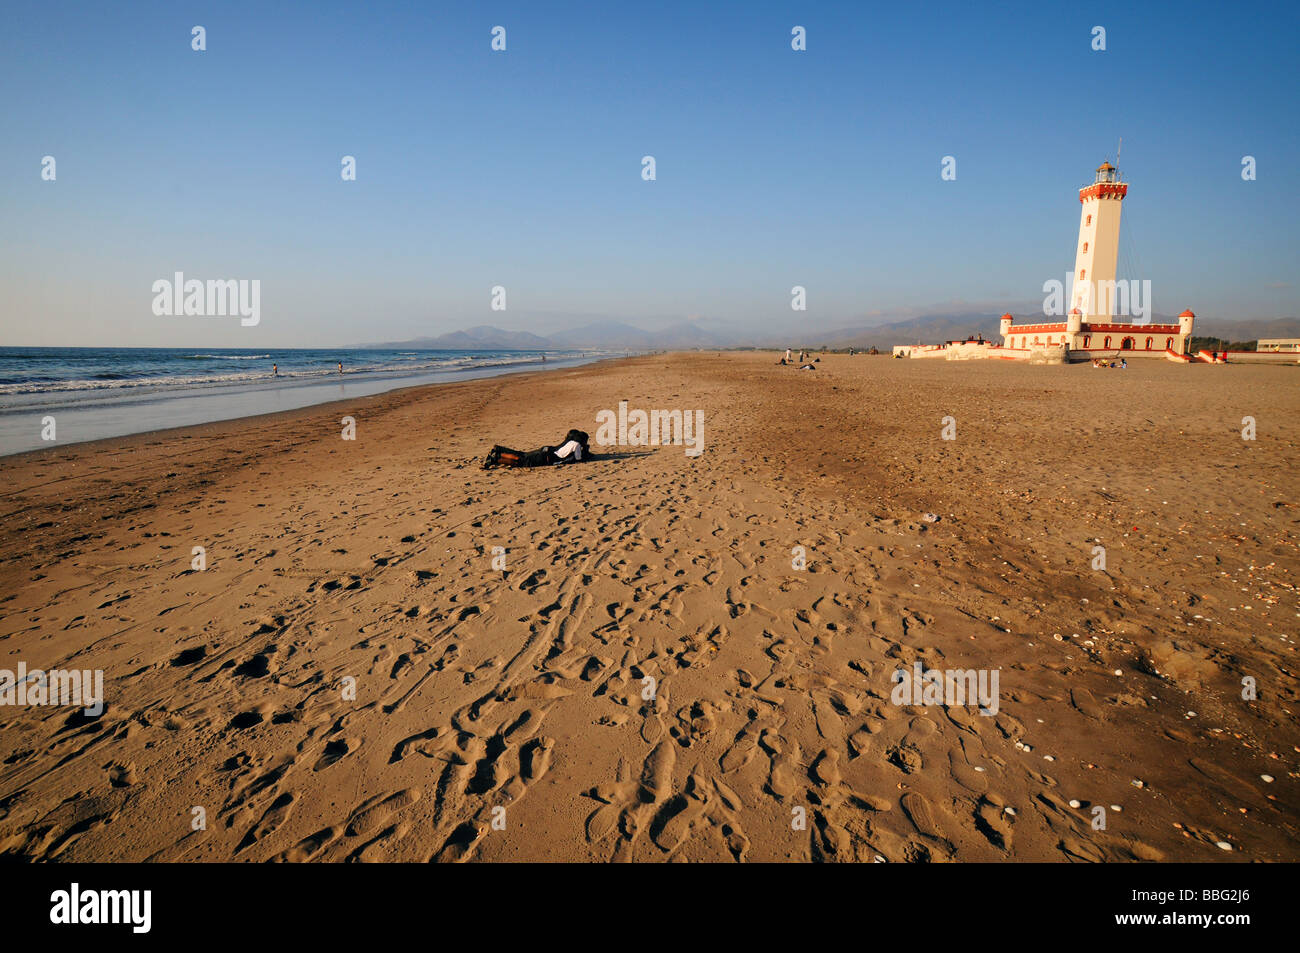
1006	327
1074	322
1185	322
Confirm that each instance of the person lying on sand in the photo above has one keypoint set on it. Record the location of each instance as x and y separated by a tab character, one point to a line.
571	450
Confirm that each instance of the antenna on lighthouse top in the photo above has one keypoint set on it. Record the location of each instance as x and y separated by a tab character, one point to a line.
1117	150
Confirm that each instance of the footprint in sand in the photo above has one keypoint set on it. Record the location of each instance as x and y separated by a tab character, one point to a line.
523	727
309	847
992	820
462	841
378	810
781	781
247	719
859	742
922	815
275	816
826	769
743	750
829	724
335	751
259	666
652	723
1086	704
657	773
907	757
190	656
535	759
674	822
695	723
964	773
615	798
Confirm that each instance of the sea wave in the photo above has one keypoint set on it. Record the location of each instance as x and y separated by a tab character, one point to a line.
108	382
226	357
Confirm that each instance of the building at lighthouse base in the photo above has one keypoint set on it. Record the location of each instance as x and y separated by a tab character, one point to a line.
1079	340
1062	342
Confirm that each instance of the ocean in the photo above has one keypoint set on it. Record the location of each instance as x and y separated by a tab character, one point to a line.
91	393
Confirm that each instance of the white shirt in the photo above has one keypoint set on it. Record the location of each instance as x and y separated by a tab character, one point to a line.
572	447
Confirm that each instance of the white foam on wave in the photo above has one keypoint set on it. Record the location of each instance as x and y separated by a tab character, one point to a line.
228	357
190	381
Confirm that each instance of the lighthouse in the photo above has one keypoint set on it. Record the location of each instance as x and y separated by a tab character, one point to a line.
1089	329
1094	261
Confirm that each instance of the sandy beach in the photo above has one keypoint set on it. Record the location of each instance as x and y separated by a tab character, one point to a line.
653	676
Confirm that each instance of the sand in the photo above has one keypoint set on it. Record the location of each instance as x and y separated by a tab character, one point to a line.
350	678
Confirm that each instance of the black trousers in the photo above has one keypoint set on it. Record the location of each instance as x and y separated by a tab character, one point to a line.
541	457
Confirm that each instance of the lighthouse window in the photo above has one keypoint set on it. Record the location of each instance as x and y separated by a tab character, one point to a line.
1083	273
1169	344
1148	344
1087	340
1089	221
1085	246
1106	343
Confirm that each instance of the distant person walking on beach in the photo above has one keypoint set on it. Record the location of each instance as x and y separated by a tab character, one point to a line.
275	370
340	367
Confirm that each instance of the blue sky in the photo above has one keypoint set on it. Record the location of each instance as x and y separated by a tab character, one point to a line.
523	168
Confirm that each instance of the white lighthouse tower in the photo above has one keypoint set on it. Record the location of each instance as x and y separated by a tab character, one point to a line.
1094	263
1088	329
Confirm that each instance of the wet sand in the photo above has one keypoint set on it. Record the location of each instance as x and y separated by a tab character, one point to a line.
651	677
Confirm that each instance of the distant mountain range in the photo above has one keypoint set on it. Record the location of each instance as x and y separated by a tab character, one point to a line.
483	337
687	335
606	335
